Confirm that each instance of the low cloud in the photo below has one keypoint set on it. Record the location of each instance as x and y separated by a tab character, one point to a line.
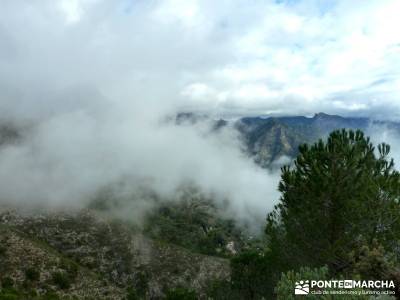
64	161
90	82
384	133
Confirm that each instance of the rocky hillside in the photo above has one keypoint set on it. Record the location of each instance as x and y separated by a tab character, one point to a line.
52	256
269	139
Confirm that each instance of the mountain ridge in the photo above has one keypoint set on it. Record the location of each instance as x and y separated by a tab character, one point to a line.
268	139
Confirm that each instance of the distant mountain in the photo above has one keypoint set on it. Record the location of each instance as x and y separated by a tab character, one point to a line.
189	118
268	139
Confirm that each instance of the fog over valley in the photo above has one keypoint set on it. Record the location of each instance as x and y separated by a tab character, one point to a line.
90	84
198	149
64	160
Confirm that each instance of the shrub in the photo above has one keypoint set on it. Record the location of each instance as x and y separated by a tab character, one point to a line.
251	274
141	283
132	294
7	282
3	250
222	290
180	294
69	267
32	274
61	280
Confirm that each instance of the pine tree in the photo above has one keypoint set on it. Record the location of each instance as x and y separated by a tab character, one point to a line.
338	196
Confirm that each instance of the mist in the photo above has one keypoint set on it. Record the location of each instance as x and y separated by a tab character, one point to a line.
64	160
385	134
91	83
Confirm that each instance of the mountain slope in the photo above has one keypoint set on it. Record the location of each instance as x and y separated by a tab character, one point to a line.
93	257
29	267
268	139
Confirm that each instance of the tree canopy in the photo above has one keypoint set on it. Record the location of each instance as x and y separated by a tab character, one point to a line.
339	197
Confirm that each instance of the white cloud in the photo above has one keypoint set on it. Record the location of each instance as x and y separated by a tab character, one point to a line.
299	53
199	91
184	11
301	50
74	10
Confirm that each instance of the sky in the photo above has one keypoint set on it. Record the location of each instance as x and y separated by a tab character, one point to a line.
90	85
220	57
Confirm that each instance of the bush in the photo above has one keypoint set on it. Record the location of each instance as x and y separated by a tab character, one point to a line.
50	296
32	274
372	262
61	280
180	294
141	283
221	290
69	267
132	294
3	250
9	294
251	274
7	282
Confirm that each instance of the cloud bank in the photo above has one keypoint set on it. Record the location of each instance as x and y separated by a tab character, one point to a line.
93	80
225	57
67	159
